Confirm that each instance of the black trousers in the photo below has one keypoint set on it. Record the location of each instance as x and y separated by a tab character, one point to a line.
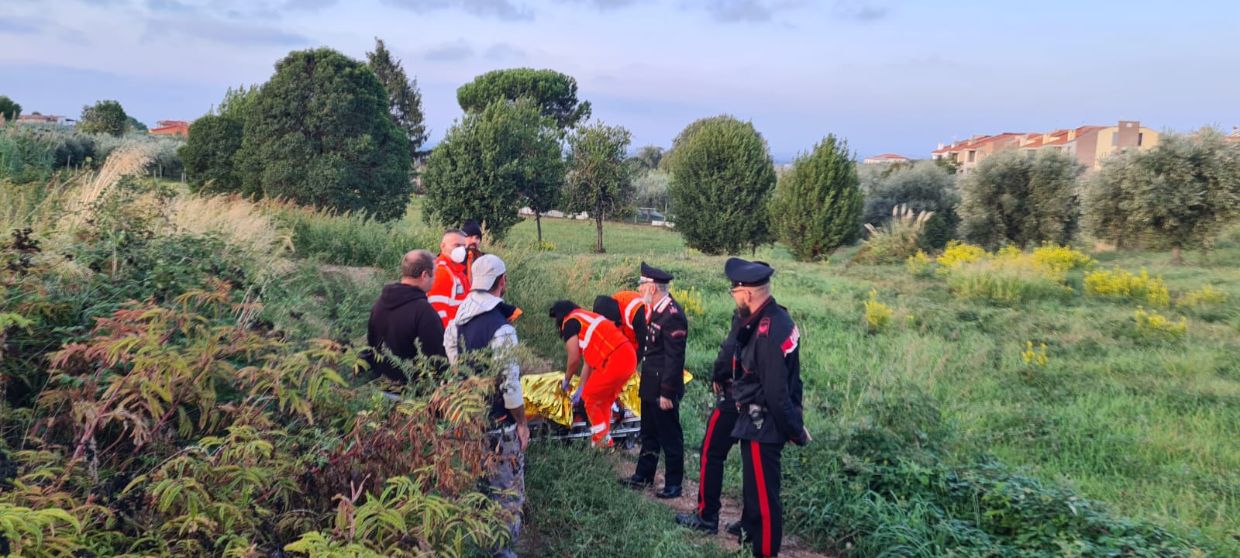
716	444
661	432
762	517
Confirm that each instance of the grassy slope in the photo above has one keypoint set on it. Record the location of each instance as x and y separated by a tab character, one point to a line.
1151	429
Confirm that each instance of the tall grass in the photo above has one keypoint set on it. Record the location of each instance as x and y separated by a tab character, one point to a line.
351	239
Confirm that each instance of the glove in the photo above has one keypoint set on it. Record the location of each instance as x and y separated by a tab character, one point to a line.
577	396
564	385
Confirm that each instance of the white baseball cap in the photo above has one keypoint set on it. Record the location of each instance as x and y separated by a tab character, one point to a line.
485	271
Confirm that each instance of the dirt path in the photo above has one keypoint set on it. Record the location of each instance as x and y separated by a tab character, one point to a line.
730	512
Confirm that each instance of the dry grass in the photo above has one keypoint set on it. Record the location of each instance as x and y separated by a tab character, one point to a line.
237	221
128	160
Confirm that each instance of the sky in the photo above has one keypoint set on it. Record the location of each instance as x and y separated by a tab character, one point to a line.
896	76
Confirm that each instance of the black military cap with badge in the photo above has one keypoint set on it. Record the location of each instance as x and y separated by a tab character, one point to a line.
651	274
743	273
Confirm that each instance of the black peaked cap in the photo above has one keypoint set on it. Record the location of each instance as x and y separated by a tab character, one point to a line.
744	273
655	274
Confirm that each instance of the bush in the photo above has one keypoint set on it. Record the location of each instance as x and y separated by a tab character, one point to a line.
817	204
319	133
1155	326
210	154
898	240
1023	200
924	187
958	254
1006	283
877	314
1203	297
722	178
30	153
1124	285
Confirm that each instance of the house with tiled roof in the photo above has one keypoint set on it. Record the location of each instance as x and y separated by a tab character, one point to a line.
1089	144
885	159
171	128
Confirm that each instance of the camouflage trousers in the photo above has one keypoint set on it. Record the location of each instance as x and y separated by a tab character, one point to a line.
505	482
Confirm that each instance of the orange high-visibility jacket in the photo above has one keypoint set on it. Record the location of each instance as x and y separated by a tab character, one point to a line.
630	302
451	286
598	337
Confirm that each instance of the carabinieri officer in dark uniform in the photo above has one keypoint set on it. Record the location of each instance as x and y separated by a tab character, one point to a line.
768	397
662	385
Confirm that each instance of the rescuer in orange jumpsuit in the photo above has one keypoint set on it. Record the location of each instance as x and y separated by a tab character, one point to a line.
606	358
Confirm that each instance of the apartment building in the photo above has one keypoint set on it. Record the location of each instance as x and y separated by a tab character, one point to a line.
1089	144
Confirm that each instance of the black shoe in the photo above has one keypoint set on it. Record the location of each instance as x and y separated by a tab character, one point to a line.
734	529
637	483
695	522
669	492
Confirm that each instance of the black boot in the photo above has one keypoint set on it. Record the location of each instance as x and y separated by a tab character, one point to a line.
637	483
734	529
669	492
695	522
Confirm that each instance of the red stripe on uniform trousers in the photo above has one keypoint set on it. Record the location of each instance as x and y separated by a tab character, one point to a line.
710	429
764	504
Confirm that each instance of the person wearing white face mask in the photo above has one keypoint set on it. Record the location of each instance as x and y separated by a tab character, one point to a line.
451	278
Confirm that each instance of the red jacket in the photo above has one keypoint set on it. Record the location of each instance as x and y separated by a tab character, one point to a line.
451	286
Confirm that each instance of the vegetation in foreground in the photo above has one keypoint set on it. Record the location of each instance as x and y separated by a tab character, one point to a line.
973	404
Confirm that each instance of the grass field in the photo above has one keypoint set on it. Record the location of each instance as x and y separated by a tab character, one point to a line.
1151	428
980	411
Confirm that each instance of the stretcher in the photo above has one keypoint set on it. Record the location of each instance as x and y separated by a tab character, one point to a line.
551	412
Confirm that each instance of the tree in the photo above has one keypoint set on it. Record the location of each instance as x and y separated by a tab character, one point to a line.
492	161
554	93
924	186
237	102
722	178
9	109
210	152
648	157
404	99
105	117
598	180
319	133
1013	197
650	190
1181	193
817	205
134	125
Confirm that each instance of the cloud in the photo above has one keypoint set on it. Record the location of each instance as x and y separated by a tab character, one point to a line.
455	51
757	11
604	4
503	52
859	10
500	9
12	26
224	32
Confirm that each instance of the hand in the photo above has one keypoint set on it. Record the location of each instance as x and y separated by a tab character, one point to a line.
564	385
523	435
716	388
577	396
665	403
805	437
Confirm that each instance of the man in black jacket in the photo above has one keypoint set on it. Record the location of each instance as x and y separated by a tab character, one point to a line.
767	390
402	321
662	385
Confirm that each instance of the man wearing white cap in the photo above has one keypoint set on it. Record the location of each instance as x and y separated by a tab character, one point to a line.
480	324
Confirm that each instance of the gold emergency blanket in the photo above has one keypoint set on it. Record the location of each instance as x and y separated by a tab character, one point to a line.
543	397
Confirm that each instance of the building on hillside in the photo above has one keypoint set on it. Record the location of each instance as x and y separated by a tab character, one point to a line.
37	118
1089	144
885	159
171	128
1235	134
